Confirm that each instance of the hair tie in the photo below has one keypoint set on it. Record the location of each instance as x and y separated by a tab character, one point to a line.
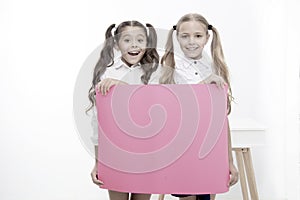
174	27
114	27
209	27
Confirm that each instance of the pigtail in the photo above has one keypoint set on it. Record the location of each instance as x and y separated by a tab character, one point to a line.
106	60
168	60
151	58
217	54
152	37
219	63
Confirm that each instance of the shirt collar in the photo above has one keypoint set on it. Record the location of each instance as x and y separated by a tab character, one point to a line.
119	64
204	60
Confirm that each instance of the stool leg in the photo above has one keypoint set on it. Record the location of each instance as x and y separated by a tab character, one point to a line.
240	165
161	197
250	174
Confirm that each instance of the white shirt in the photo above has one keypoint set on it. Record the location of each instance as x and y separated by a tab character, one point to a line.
189	71
120	71
131	75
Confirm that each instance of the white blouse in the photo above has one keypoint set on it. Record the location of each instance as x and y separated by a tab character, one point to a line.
120	71
189	71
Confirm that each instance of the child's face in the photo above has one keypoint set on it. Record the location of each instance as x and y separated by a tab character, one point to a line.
192	37
132	44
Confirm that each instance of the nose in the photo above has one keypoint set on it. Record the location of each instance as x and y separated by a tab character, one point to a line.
134	43
191	40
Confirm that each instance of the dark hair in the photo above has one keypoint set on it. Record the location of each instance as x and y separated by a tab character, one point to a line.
149	61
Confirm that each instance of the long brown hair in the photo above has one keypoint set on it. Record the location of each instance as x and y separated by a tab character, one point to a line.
168	61
149	61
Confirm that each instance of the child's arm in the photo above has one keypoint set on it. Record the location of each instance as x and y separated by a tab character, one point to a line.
95	170
104	85
234	175
94	139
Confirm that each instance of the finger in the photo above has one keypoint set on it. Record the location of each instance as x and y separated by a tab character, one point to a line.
102	90
222	84
230	181
102	87
234	180
107	86
219	84
96	180
98	87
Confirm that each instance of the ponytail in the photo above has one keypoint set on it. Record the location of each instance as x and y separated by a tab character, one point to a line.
219	63
150	59
168	60
106	60
152	38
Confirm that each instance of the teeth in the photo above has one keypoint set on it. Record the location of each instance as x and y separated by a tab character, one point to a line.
134	53
192	48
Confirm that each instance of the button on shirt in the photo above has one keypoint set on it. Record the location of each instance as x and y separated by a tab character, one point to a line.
189	71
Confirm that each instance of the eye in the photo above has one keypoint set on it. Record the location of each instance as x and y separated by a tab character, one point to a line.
140	40
126	40
198	36
183	36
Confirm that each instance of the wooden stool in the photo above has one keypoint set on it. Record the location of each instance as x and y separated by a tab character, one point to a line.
161	197
245	167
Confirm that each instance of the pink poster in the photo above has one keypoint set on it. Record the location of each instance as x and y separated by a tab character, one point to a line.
163	139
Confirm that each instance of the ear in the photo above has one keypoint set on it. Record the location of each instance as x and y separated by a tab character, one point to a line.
207	38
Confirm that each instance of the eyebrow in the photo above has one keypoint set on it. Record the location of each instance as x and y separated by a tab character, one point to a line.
183	33
198	32
142	35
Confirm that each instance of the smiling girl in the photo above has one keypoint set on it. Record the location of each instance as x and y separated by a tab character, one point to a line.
193	33
138	59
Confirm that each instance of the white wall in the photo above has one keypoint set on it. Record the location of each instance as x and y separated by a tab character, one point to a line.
44	44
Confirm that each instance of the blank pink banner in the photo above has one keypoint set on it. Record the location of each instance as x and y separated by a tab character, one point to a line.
163	139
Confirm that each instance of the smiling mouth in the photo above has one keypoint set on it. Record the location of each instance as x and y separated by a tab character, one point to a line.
191	48
134	53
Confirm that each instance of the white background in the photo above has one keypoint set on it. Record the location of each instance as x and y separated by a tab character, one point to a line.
43	45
